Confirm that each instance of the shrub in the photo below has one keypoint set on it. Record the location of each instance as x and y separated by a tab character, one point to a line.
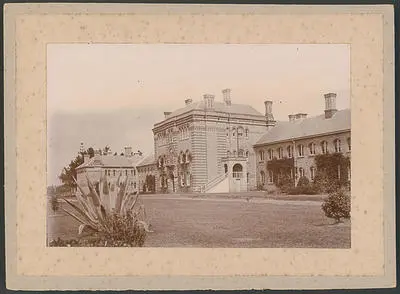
55	205
303	188
118	222
337	205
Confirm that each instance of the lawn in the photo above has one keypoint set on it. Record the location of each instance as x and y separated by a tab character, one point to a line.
215	222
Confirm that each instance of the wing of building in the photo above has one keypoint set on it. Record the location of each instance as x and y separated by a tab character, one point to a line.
300	140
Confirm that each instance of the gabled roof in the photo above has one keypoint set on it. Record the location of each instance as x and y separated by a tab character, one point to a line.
111	161
147	160
219	107
313	126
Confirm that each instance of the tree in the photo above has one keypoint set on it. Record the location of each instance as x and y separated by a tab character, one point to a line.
69	172
337	205
54	203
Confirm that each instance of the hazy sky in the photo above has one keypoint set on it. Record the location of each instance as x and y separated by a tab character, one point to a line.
108	94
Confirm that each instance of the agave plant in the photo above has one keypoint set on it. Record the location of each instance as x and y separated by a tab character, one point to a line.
97	209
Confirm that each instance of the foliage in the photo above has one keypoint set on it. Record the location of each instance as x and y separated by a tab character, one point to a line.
110	212
55	205
337	205
329	166
150	183
303	187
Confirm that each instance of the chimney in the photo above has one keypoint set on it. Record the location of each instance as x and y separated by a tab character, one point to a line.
167	113
226	93
292	117
86	157
301	115
128	151
209	100
268	114
330	105
188	102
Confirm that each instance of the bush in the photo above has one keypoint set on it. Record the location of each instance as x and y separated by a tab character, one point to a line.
337	205
303	182
303	188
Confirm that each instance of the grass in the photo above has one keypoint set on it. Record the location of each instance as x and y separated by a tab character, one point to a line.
190	222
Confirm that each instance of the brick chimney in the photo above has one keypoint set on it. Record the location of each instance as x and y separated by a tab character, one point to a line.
86	157
128	151
226	93
188	102
209	100
330	105
167	113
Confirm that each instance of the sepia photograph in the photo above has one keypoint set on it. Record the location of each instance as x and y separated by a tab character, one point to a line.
194	145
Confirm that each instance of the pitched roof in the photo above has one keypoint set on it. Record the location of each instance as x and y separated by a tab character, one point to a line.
219	107
313	126
147	160
111	161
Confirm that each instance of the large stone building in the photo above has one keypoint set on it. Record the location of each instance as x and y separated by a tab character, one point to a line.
207	146
110	166
298	142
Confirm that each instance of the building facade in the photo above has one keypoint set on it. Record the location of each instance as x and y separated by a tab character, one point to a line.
207	146
291	147
110	167
146	169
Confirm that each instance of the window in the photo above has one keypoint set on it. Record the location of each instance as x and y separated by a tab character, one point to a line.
228	153
240	132
109	172
234	153
311	148
182	180
290	151
247	132
227	132
261	155
300	150
349	173
233	132
105	172
270	154
349	143
262	176
312	173
338	147
270	176
241	153
301	172
188	179
114	172
126	172
131	172
247	153
324	147
280	152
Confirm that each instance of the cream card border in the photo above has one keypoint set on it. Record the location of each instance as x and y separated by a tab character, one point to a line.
371	260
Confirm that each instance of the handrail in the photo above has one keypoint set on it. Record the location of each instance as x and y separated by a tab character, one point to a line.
215	181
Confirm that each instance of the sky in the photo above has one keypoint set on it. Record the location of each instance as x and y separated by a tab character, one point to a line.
113	94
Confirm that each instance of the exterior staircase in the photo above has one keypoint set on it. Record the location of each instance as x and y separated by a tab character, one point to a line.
220	184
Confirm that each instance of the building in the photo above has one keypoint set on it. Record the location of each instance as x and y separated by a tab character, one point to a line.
146	169
110	166
293	145
207	146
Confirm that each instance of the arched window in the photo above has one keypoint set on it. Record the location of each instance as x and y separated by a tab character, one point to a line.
262	176
234	153
280	152
312	173
270	176
349	143
270	154
228	153
247	153
241	153
237	170
300	150
338	146
311	148
234	132
240	132
301	172
324	147
290	151
247	132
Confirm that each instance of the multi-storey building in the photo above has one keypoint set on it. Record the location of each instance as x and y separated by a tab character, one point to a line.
207	146
300	140
110	167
